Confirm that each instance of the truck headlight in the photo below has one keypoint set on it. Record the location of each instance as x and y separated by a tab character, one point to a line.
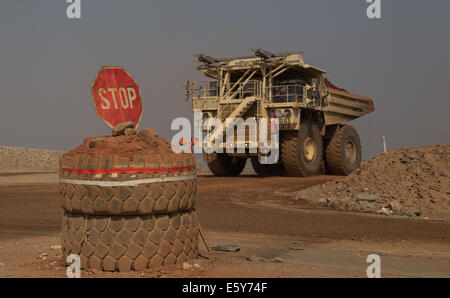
287	113
278	113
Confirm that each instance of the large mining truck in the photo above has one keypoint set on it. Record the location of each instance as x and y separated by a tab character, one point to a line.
310	112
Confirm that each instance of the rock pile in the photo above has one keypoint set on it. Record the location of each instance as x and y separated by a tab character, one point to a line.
412	182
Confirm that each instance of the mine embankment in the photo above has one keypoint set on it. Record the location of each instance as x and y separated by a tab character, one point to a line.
19	159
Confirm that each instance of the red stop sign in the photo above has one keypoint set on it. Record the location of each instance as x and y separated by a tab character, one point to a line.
116	96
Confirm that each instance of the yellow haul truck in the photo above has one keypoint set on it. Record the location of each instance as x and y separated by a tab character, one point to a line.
310	113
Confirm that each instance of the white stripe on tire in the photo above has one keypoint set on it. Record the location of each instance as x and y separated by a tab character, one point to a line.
127	183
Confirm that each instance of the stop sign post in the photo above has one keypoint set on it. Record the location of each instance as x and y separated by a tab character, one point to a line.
116	95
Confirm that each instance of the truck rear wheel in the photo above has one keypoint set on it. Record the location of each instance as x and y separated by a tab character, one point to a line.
343	152
302	151
276	169
222	164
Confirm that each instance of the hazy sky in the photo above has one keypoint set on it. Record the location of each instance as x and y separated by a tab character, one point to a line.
48	62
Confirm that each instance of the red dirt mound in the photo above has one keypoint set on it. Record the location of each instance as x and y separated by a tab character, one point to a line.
125	145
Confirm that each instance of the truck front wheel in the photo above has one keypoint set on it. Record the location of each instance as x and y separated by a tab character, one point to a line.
302	151
222	164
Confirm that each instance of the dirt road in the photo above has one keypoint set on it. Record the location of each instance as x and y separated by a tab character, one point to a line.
261	216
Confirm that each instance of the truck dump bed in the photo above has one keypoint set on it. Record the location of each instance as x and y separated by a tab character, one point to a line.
344	106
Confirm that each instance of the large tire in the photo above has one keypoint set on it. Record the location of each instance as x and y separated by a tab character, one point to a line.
166	184
223	165
268	169
302	151
343	151
127	243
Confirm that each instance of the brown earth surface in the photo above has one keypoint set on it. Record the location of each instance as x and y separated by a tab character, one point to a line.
257	214
413	182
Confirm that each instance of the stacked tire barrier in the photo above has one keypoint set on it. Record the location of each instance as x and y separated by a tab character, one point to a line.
132	212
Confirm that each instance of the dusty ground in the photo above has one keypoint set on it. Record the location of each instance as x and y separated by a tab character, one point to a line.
11	178
258	215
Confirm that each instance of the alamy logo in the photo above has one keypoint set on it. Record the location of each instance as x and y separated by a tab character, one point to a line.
74	9
251	135
73	270
374	9
374	269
